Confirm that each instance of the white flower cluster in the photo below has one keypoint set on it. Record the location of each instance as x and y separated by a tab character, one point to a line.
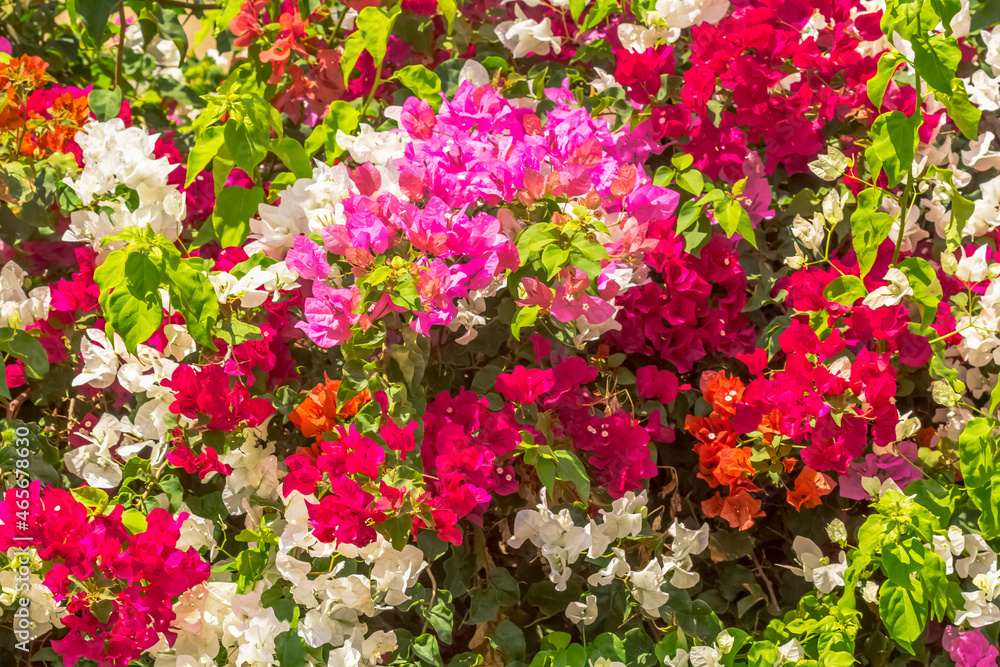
44	612
968	556
714	655
312	204
17	309
680	14
214	615
255	472
253	288
115	155
561	542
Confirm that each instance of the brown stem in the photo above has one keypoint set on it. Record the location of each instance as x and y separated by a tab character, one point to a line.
772	598
13	406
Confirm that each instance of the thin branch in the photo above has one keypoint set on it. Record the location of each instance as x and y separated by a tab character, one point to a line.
197	6
772	598
15	404
121	46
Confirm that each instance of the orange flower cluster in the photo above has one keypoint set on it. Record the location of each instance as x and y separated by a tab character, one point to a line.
46	119
722	461
319	413
17	77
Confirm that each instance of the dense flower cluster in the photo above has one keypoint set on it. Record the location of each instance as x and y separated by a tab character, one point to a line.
520	332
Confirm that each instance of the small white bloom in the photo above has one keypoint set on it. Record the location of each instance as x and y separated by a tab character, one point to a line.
526	36
891	294
816	567
583	612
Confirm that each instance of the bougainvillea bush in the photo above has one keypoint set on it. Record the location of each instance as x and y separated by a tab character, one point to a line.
519	333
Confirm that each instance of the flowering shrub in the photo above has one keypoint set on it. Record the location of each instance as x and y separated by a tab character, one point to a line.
521	333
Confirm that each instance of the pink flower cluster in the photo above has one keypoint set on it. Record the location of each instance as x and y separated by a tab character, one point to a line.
98	561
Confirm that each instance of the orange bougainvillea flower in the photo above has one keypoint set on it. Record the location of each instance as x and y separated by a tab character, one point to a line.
713	430
810	486
319	412
734	463
770	426
739	509
721	391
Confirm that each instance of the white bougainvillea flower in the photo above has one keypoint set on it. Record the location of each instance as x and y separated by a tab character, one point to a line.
525	36
93	462
17	309
100	363
647	585
948	546
583	612
978	611
891	294
981	558
817	568
973	269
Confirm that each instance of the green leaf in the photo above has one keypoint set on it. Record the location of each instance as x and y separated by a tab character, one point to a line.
946	9
546	469
554	258
448	9
904	612
869	227
102	608
961	111
290	650
25	347
341	116
374	26
924	281
909	18
353	48
91	497
994	398
894	144
106	104
441	615
978	461
509	639
888	63
246	150
95	14
570	468
134	319
846	290
143	276
426	648
961	210
293	155
692	181
234	207
534	238
936	58
423	82
526	317
504	587
134	520
735	220
977	453
192	294
205	148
